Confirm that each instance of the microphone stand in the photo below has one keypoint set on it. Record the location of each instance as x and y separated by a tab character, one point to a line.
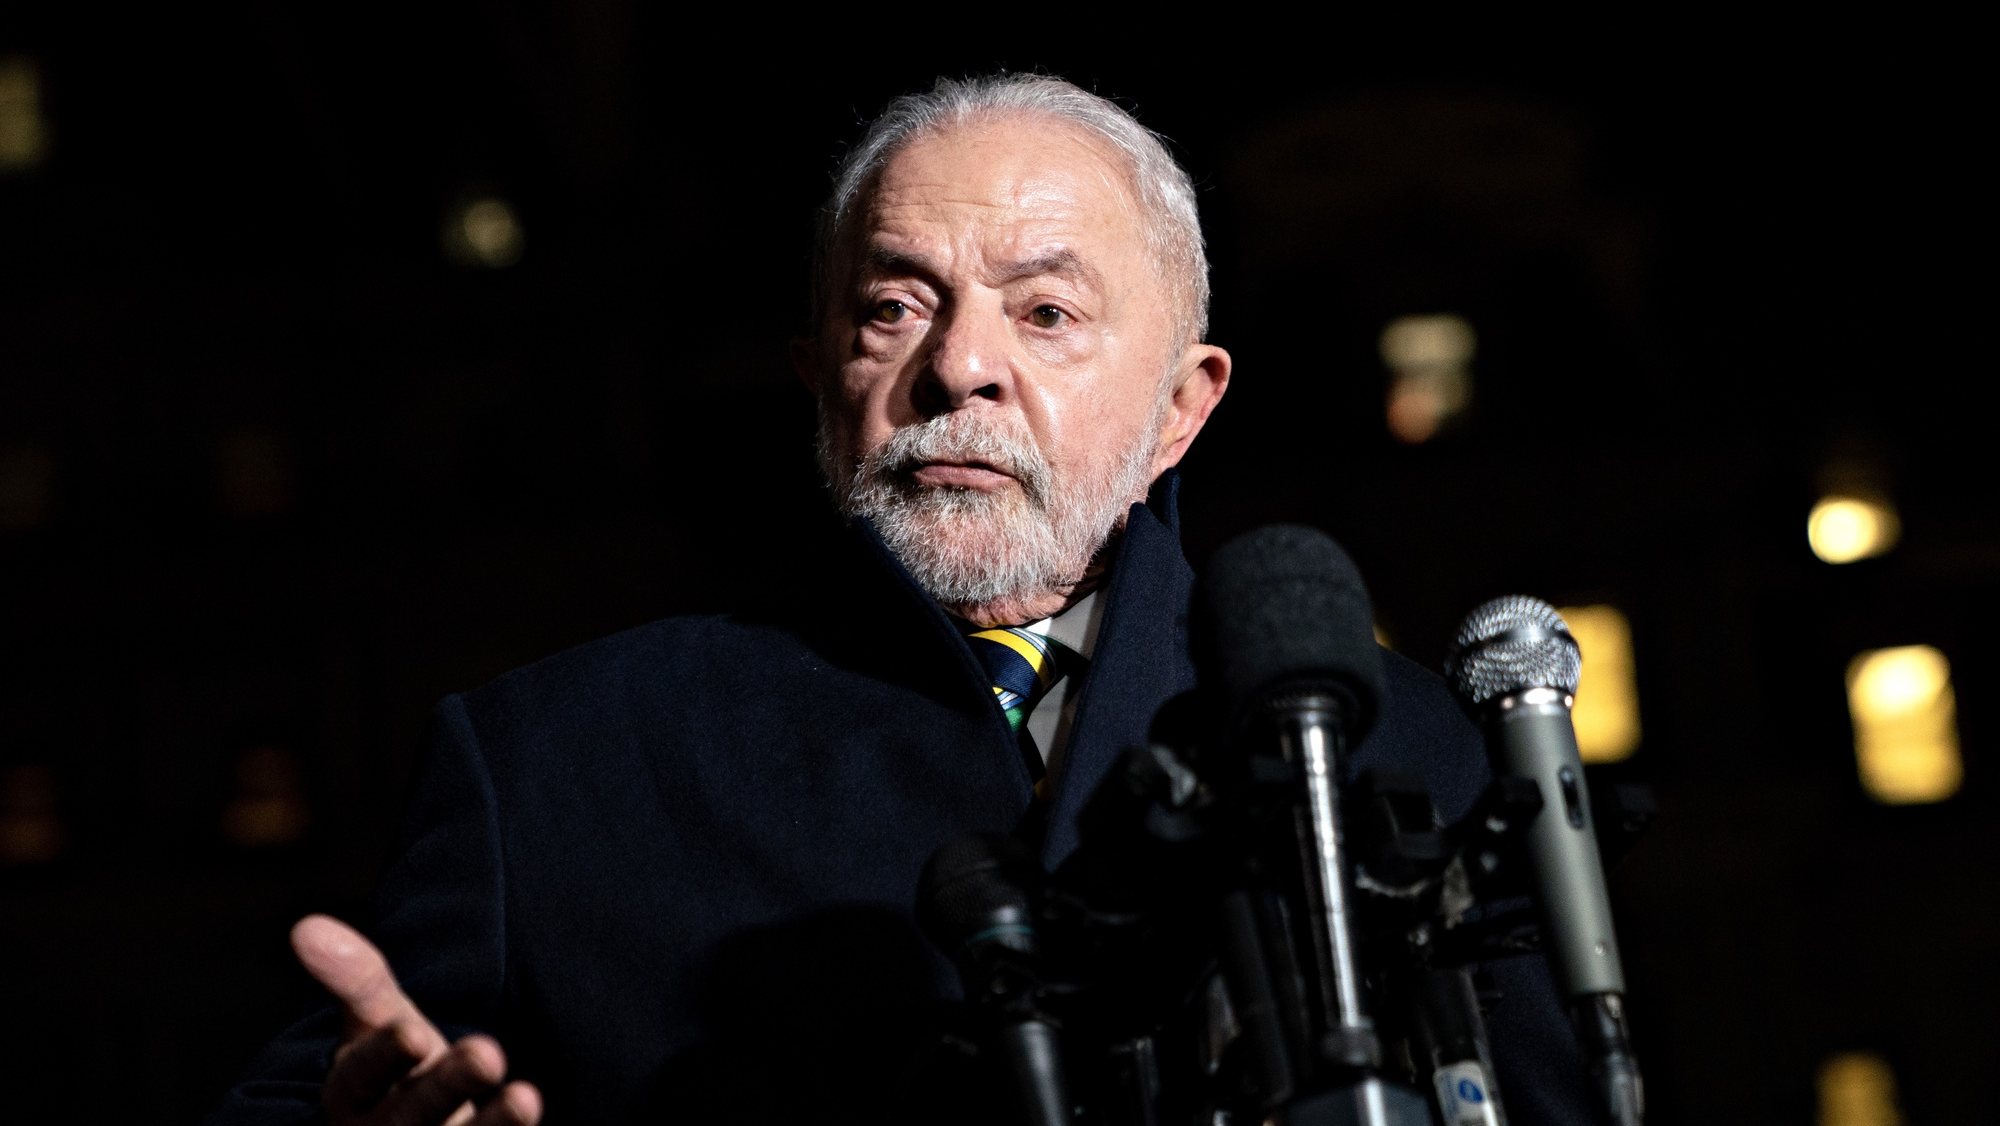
1183	878
1349	1049
1178	961
977	900
1422	890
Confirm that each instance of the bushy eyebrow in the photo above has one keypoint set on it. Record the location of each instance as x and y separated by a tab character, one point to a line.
881	262
1061	262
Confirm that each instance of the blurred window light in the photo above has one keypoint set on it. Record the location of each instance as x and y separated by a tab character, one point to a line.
1607	691
1429	358
31	830
1905	716
483	231
1847	527
254	468
268	807
1857	1089
24	133
27	486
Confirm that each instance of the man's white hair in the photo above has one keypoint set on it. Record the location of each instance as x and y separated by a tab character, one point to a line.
1164	190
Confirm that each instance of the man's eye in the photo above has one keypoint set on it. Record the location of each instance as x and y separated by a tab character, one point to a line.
1046	316
889	312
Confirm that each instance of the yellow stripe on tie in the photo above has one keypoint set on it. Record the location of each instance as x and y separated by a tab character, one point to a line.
1039	660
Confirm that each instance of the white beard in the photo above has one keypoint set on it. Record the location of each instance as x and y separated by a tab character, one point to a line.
972	548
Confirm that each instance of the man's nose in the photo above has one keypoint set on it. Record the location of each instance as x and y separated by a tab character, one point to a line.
969	360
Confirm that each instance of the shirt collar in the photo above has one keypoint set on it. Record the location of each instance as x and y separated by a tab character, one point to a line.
1076	627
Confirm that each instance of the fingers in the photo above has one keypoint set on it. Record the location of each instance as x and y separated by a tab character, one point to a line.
518	1104
467	1073
365	1068
395	1067
357	975
375	1079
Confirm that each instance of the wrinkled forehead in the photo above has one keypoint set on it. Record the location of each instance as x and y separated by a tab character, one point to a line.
999	168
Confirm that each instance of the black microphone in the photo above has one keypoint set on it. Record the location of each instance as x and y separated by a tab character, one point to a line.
976	901
1514	665
1285	649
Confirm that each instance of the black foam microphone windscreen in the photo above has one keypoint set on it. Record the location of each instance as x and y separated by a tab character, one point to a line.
1280	609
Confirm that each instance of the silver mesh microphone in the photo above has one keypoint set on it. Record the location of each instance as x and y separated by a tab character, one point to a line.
1513	643
1515	665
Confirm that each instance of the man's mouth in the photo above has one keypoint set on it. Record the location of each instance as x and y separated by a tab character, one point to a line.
977	475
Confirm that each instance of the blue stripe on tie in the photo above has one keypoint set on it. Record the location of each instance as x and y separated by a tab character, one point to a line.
1018	681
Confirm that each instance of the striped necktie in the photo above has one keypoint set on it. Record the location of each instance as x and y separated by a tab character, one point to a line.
1023	665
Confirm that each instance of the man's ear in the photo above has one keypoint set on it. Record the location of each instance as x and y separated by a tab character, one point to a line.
805	361
1200	380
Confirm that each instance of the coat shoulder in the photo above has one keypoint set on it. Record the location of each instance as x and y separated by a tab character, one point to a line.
1423	729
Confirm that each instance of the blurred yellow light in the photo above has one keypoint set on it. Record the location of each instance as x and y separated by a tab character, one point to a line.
1905	715
27	486
1857	1089
23	132
255	471
1415	412
1607	691
1432	339
31	829
1891	683
1843	529
269	806
1429	358
484	232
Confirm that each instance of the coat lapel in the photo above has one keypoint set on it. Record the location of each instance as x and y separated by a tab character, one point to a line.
1141	661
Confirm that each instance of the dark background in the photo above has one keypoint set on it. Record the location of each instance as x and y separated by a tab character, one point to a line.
275	473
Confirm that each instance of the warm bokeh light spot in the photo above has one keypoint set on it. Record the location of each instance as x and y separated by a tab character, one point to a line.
1415	412
1441	339
268	807
254	470
1843	529
31	829
24	133
484	231
1857	1089
1607	691
27	486
1429	359
1905	715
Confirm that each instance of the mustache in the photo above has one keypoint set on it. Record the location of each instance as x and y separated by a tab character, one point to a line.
957	438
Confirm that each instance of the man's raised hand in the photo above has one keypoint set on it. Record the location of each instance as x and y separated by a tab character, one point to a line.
393	1066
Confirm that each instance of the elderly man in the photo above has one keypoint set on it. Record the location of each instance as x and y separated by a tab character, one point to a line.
672	871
